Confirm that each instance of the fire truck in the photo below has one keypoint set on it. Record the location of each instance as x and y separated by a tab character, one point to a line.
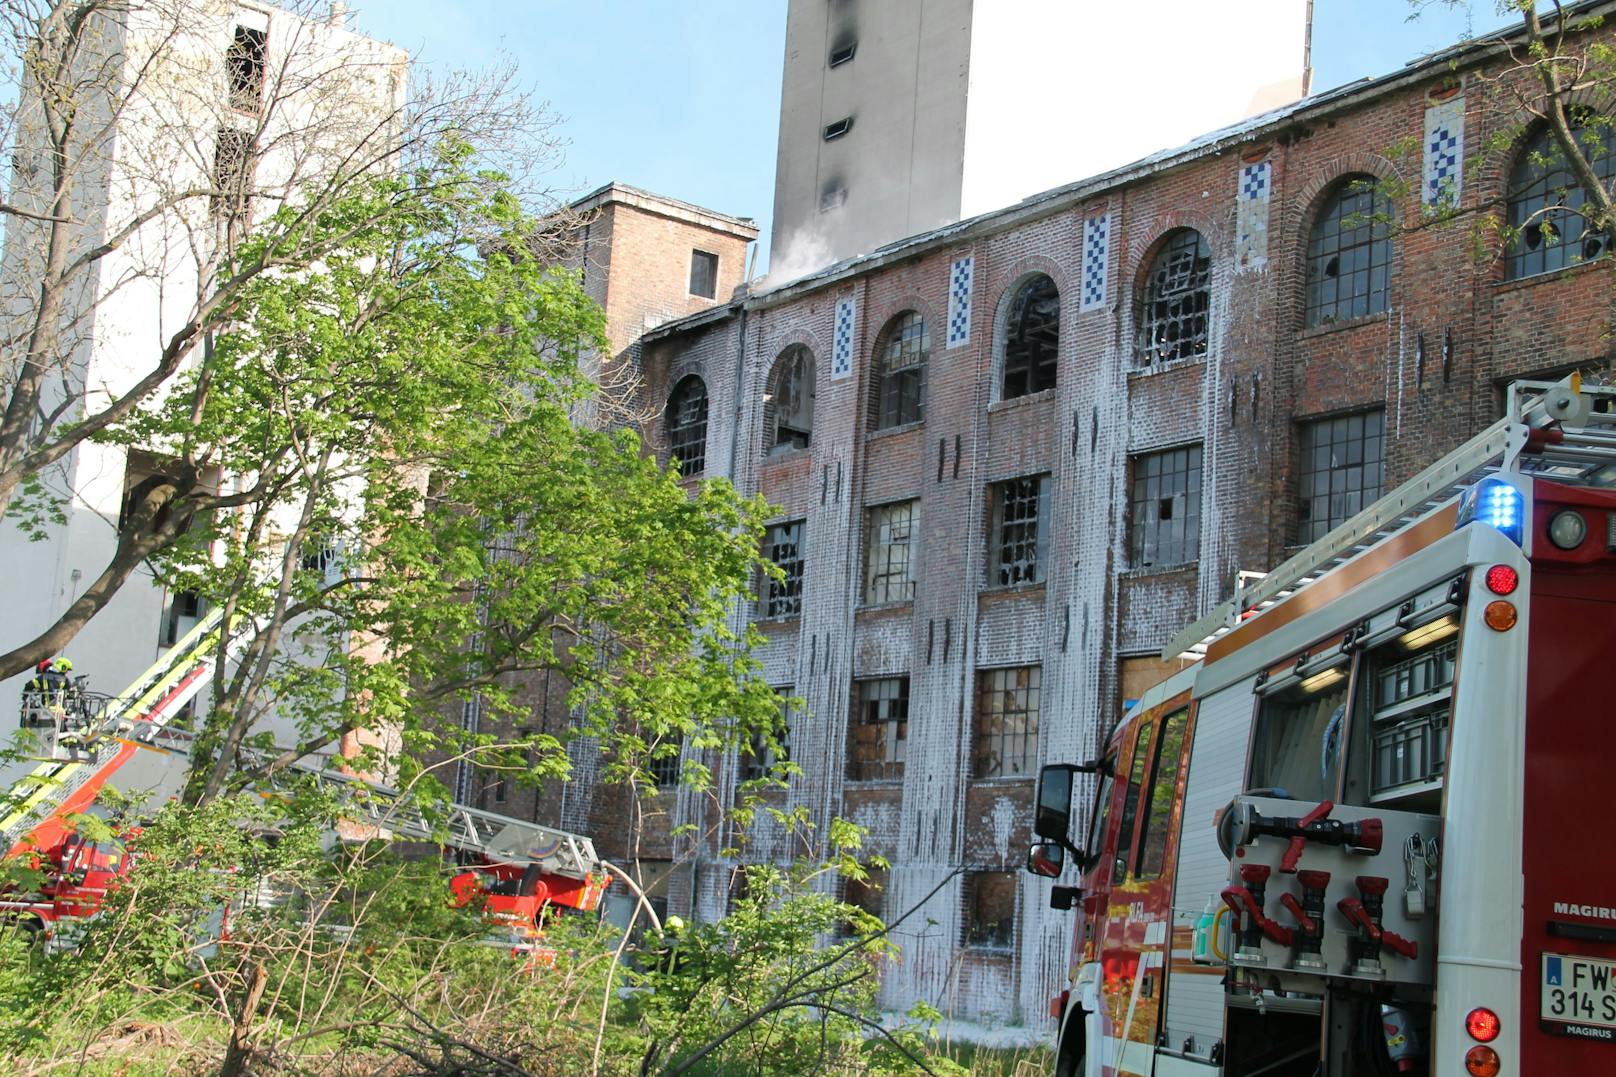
515	872
1359	833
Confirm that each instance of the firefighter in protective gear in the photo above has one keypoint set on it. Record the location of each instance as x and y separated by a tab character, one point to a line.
44	697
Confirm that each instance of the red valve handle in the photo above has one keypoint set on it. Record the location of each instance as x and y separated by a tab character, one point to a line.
1393	941
1303	921
1321	812
1356	914
1239	899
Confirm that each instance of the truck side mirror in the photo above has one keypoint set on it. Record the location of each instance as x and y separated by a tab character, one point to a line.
1053	817
1047	859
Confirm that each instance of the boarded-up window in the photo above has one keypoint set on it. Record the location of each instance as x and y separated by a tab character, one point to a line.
877	742
703	274
1007	705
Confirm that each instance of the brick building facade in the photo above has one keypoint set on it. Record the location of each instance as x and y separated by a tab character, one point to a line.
1012	456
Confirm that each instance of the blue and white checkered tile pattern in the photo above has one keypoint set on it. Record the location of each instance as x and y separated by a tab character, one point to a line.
1444	154
1254	182
841	352
1096	253
959	301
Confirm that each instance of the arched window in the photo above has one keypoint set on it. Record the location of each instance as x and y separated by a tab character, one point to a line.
1547	228
1175	299
1031	339
788	407
687	425
900	371
1349	253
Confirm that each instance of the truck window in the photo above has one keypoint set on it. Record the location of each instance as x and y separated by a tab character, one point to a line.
1297	745
1163	785
1135	777
1101	813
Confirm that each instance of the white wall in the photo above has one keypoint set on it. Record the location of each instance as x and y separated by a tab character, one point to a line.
1065	89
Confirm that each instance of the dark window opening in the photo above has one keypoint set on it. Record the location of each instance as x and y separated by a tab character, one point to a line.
868	895
1007	705
788	407
1173	314
1548	227
1339	472
782	544
1021	530
245	62
757	758
877	743
834	196
1349	254
1032	339
687	425
703	274
990	910
1165	508
838	129
184	610
889	557
842	53
900	372
663	765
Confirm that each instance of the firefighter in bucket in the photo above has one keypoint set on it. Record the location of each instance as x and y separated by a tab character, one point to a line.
53	709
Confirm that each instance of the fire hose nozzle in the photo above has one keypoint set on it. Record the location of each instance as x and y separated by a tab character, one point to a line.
1359	917
1313	880
1239	899
1255	873
1372	885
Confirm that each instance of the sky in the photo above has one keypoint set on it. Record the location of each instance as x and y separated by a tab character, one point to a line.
684	98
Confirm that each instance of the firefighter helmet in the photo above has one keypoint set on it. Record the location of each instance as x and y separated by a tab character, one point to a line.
63	665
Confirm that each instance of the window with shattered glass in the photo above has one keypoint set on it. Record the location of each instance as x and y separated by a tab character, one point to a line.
1349	253
1020	531
1177	297
782	545
1032	339
877	741
687	425
1547	228
788	407
889	573
1164	508
900	372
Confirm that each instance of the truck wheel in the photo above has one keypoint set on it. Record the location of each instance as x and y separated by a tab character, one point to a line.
1069	1060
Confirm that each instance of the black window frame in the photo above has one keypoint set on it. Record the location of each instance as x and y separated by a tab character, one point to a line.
1007	697
882	582
1175	301
879	702
785	547
1350	240
686	422
1542	191
1031	339
1361	463
898	389
1015	530
1168	479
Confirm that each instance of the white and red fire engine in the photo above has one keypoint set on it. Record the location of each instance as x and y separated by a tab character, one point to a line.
515	873
1361	833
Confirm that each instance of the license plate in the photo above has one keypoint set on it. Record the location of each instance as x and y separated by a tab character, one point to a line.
1580	992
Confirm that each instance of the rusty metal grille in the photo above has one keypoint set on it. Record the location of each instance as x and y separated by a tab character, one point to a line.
990	910
1006	740
687	425
1349	254
877	743
900	375
1032	339
1020	526
1339	471
889	557
1548	229
1164	508
1173	315
783	546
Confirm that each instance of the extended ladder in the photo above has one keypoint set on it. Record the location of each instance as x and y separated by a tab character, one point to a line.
1516	442
56	788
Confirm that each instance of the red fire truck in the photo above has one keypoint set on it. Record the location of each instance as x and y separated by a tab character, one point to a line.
1359	834
516	872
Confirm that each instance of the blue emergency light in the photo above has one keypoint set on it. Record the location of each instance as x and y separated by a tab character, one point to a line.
1497	504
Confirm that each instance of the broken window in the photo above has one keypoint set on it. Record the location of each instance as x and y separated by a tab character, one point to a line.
1164	508
1032	339
788	405
1349	253
876	743
1339	471
842	52
687	425
1547	228
1020	529
1173	308
232	178
889	556
990	910
782	544
1006	740
703	274
757	758
244	60
838	128
900	372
